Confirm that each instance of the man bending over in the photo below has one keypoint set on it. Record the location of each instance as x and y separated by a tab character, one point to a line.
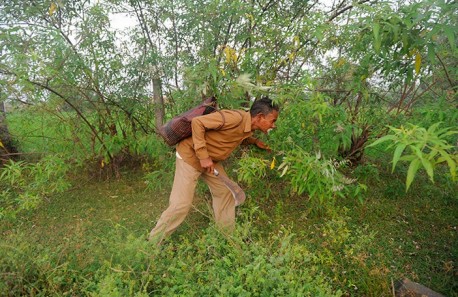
214	137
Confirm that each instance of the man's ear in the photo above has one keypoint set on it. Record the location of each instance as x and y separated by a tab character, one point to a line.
259	116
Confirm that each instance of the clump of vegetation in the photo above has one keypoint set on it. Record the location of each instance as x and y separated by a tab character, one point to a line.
25	185
91	241
125	265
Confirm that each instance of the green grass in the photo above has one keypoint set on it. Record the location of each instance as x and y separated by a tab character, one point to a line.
37	133
90	240
86	239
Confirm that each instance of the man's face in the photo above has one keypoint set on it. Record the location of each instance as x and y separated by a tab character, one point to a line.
267	122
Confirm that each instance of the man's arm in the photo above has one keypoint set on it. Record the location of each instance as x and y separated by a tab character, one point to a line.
199	125
257	142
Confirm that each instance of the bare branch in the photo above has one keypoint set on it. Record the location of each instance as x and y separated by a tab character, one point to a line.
446	73
337	13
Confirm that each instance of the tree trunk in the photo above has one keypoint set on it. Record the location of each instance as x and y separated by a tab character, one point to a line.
5	144
158	102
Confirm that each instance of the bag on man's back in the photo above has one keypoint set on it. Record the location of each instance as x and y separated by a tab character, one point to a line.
179	127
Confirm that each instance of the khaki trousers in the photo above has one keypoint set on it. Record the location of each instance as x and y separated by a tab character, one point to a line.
182	196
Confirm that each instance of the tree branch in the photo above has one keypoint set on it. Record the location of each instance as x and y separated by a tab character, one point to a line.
446	73
337	13
94	131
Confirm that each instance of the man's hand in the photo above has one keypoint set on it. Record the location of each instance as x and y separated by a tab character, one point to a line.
208	165
262	145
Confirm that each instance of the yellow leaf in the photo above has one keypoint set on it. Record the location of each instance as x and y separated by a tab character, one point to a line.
273	164
363	77
417	63
1	144
303	125
102	164
235	58
228	54
53	7
339	63
281	61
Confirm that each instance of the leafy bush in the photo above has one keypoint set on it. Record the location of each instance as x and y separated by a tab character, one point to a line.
215	265
251	168
125	265
426	149
307	174
24	184
36	269
317	177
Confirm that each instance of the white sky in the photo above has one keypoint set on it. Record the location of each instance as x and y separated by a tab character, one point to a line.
121	21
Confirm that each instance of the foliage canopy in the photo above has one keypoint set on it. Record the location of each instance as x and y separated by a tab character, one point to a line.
342	71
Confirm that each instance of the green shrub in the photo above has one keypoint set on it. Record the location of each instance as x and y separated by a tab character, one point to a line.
37	270
213	265
125	265
24	184
425	148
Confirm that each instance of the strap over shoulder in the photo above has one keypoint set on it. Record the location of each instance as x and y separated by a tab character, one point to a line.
224	119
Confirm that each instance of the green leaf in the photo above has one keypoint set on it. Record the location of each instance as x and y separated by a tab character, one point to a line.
408	22
432	154
431	53
450	163
376	30
405	42
413	168
448	134
384	138
408	158
440	145
358	189
409	75
450	35
397	154
433	32
433	127
440	160
319	34
429	168
417	151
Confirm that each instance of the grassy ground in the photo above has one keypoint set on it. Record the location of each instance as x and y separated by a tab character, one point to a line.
89	241
360	249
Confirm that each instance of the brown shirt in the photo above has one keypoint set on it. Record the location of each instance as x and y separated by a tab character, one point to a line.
206	141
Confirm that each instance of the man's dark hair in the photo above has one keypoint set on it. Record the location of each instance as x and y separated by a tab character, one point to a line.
264	105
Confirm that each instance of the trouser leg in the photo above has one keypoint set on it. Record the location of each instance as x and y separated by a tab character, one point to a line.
223	201
181	197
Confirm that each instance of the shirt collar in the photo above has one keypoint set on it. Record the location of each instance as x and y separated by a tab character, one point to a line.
247	122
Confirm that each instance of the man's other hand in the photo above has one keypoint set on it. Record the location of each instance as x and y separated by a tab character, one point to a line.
208	165
262	145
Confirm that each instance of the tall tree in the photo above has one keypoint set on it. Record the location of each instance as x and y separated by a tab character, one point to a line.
352	57
5	145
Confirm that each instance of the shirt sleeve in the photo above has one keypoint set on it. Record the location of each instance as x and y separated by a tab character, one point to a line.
249	140
207	122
